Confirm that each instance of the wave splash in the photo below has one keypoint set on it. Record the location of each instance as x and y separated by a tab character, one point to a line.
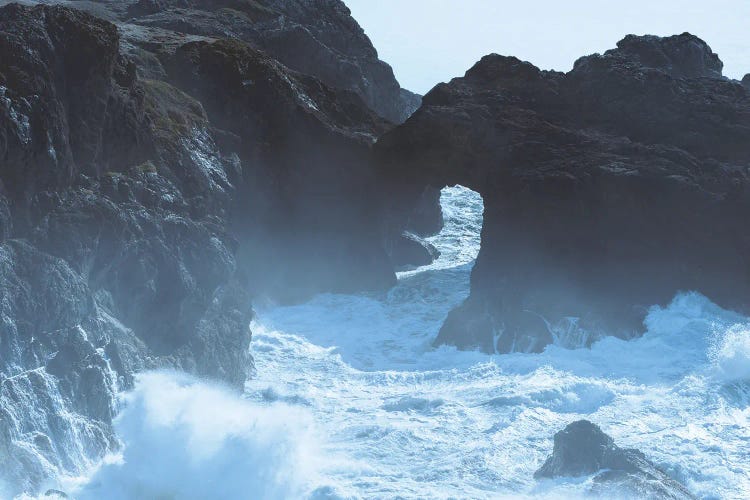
397	418
183	438
730	354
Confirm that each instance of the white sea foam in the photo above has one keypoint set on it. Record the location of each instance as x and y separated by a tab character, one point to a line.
398	418
731	354
187	439
420	422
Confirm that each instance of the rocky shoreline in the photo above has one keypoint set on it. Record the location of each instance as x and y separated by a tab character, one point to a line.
163	163
158	172
607	189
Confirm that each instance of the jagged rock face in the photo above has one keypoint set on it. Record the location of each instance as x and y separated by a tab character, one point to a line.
315	37
607	189
582	449
55	86
150	231
57	388
115	253
151	181
682	56
307	208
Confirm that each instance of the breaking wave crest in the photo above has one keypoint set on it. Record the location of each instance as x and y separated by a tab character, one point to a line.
183	438
731	354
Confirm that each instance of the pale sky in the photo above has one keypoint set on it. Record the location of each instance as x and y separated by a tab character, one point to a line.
429	41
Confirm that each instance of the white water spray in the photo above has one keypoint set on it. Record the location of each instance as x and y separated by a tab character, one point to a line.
395	417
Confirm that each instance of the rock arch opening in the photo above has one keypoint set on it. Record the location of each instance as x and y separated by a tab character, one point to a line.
443	229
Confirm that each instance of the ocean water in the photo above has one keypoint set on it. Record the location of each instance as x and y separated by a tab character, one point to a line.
350	400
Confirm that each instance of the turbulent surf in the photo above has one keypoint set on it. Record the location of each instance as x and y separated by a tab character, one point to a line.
350	400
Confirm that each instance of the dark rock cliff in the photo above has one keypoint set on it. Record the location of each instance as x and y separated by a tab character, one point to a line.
607	189
315	37
151	182
115	251
307	211
306	188
161	168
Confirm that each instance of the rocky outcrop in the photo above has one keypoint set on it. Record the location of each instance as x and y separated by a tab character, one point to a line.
158	173
152	180
134	193
582	449
315	37
54	96
607	189
116	254
307	208
681	56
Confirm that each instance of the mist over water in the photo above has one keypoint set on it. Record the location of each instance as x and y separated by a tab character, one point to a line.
350	400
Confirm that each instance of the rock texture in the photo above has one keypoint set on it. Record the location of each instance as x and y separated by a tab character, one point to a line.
306	189
115	254
160	168
315	37
582	449
607	189
308	209
154	176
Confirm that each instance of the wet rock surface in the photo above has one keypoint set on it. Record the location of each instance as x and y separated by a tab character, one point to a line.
307	208
163	162
607	189
115	252
315	37
152	181
412	251
582	449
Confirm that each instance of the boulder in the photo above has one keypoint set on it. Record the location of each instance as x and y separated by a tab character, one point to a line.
582	449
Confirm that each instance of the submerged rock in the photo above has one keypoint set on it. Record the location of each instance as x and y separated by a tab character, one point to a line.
607	189
55	494
582	449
